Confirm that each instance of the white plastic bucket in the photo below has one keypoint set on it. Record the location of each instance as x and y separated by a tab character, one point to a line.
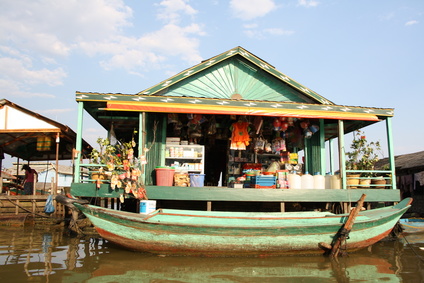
147	206
294	181
307	181
319	182
336	182
328	180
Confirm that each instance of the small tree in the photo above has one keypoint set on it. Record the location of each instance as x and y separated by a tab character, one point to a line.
364	154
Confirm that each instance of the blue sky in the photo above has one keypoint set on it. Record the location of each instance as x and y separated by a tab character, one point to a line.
356	53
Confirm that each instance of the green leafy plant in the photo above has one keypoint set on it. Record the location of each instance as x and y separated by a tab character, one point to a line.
120	165
363	155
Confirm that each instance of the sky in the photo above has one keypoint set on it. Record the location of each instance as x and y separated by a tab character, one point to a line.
355	53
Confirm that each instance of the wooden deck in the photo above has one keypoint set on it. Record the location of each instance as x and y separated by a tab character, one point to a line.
224	194
18	209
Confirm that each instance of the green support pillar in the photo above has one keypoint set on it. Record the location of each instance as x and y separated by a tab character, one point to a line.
306	156
342	155
163	144
331	153
78	144
141	142
322	146
391	150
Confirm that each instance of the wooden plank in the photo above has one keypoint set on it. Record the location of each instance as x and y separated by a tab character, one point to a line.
24	197
231	194
270	195
90	190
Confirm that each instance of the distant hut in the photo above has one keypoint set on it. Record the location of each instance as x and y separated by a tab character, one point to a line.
409	177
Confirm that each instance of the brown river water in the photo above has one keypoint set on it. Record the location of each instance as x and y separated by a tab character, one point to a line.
47	254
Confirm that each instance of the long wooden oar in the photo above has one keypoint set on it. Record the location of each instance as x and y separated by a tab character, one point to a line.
345	230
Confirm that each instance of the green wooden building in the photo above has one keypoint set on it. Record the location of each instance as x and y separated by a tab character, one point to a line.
200	104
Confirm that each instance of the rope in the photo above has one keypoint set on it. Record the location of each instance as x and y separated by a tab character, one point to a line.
410	246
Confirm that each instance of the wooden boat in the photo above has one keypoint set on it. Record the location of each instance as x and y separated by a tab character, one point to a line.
216	233
412	225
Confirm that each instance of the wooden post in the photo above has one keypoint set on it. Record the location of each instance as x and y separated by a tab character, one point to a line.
57	163
52	188
1	166
345	230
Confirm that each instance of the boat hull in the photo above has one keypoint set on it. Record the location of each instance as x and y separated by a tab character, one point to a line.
412	225
174	232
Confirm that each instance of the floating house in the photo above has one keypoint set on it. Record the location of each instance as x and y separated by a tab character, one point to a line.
242	133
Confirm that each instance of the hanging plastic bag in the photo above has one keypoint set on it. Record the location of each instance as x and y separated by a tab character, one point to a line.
212	126
49	208
259	144
268	147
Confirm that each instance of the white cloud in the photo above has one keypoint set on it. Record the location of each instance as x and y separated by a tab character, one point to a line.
151	49
251	9
256	33
250	26
56	111
410	23
52	27
22	70
308	3
12	89
171	10
278	31
36	35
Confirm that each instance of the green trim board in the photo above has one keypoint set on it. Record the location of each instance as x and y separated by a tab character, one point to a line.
131	103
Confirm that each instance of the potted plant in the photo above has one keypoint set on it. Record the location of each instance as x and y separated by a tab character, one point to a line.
380	180
119	166
362	157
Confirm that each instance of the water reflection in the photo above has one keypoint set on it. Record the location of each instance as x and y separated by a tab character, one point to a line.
45	255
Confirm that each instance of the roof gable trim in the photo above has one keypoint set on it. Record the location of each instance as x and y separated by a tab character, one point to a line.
226	55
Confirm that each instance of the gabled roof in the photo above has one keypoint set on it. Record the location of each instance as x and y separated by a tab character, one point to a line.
235	82
236	74
31	136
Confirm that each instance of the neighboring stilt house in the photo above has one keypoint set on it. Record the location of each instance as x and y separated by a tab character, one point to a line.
409	178
228	119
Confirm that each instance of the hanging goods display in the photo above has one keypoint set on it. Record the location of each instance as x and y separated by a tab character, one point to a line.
240	135
259	144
